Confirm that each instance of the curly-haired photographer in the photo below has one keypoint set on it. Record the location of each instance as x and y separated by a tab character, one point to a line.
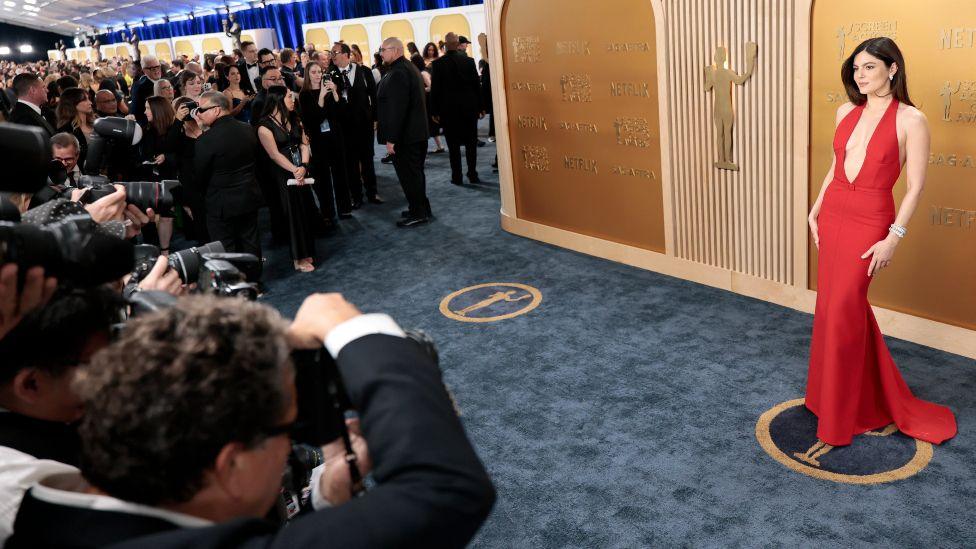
185	447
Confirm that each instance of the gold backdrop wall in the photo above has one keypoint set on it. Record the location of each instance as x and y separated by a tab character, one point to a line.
582	92
934	271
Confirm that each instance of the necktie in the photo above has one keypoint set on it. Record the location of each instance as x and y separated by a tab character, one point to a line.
345	78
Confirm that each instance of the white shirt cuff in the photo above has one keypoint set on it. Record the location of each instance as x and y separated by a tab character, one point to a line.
357	327
318	500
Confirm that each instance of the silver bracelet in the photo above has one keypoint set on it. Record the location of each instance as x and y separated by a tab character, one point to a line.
898	230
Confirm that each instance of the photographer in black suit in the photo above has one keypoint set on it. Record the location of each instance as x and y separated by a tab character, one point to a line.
31	94
358	111
224	160
402	117
455	99
185	447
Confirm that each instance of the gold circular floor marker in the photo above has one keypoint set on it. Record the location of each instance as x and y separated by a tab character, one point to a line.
473	303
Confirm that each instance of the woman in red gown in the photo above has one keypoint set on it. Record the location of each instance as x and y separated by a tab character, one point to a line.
853	384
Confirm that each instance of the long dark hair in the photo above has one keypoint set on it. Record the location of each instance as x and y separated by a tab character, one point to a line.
427	48
68	106
275	102
887	51
163	114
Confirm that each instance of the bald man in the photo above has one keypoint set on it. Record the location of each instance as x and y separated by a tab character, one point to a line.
402	115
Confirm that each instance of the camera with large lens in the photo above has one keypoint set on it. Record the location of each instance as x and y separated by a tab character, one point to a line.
110	132
213	270
323	406
160	196
70	249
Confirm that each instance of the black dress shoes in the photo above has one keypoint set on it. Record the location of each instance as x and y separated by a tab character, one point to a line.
405	214
375	199
412	221
459	183
388	159
474	179
356	204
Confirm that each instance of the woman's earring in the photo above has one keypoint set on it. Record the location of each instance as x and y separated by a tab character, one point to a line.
891	77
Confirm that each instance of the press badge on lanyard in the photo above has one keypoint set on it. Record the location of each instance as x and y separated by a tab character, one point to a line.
324	127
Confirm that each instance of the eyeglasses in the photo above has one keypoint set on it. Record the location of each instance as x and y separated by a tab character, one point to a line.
201	110
273	79
154	67
66	159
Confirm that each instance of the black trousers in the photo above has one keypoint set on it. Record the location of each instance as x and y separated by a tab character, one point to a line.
462	133
238	234
329	170
359	138
272	198
408	161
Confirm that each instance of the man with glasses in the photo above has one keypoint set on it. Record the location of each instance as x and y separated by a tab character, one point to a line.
224	158
187	443
358	113
143	88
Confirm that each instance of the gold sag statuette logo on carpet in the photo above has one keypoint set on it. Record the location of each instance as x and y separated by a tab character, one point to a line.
490	302
788	433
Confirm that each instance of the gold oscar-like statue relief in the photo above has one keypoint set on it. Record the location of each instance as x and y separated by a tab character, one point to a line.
719	79
946	92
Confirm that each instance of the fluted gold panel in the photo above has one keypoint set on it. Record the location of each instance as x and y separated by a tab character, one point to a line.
743	221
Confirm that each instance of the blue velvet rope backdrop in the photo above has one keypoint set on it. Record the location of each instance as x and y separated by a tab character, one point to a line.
287	19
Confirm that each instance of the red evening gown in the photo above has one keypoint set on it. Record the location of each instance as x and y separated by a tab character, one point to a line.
853	384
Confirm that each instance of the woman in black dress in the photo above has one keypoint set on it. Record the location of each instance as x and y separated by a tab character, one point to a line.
76	116
281	136
318	102
159	159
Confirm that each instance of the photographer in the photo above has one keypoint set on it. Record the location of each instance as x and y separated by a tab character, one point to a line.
37	435
187	444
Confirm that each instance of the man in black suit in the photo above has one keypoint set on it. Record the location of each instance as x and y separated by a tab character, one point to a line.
213	376
358	110
455	102
31	94
249	67
225	163
142	89
402	117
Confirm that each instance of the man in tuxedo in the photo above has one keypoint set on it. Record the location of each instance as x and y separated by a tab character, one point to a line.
249	67
31	95
455	102
225	165
185	446
142	89
402	126
358	115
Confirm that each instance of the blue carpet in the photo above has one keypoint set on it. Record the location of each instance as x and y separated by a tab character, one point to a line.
621	412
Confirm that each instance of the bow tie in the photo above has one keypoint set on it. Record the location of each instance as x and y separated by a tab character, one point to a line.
250	66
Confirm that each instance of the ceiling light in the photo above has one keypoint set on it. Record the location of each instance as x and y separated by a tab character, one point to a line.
26	48
32	14
4	50
7	9
10	4
30	1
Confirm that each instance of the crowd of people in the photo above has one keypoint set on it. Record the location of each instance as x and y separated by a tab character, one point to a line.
316	117
168	414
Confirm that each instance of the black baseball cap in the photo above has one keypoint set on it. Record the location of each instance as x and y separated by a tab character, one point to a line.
463	40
